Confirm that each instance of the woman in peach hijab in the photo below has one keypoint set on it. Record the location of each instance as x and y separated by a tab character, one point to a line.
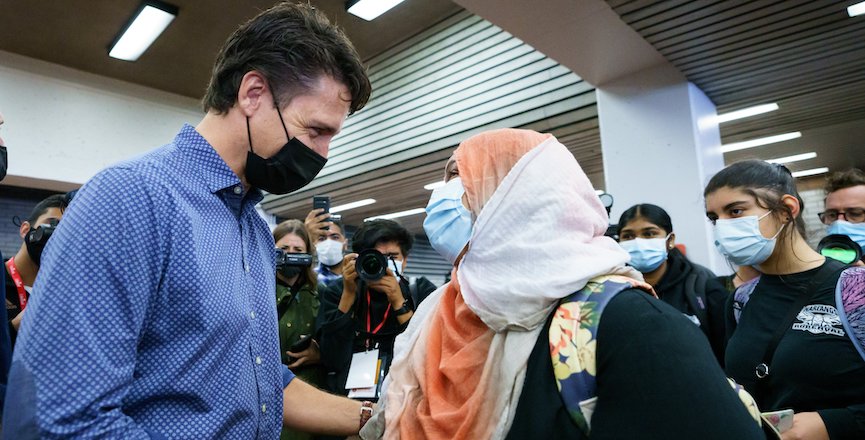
484	358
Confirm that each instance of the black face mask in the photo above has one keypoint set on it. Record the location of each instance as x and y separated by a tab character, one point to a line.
290	271
291	168
3	161
36	239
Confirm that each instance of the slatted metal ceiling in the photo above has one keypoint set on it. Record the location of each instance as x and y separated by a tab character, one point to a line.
806	55
458	78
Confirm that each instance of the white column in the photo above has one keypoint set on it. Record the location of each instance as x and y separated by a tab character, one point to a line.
660	145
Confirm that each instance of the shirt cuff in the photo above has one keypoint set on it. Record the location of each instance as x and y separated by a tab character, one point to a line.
287	376
840	424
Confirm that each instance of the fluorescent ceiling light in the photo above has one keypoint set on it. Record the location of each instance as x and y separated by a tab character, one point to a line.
810	172
793	158
761	141
747	112
150	20
397	214
434	185
857	9
370	9
351	205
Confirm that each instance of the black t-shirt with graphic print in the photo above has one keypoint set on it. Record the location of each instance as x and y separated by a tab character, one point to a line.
815	366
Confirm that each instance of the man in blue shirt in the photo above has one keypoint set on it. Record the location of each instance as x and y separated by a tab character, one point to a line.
155	316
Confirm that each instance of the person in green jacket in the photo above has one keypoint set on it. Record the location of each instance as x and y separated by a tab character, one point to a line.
297	306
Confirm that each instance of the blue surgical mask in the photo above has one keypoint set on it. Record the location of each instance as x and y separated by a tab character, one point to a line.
740	240
856	231
448	223
647	254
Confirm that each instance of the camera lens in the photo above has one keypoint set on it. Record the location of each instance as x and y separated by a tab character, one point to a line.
371	265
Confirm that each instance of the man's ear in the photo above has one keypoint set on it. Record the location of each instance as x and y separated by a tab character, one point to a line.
24	229
253	93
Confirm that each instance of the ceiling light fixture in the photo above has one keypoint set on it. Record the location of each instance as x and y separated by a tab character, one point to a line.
761	141
352	205
746	112
393	215
147	23
793	158
811	172
434	185
857	9
370	9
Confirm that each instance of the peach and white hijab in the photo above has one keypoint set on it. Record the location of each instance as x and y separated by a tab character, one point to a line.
460	365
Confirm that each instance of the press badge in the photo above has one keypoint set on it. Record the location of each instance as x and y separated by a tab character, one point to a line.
363	372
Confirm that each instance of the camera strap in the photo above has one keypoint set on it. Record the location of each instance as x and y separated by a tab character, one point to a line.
369	329
19	283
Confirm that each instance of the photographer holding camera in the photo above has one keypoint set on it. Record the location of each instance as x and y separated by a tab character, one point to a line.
297	307
364	312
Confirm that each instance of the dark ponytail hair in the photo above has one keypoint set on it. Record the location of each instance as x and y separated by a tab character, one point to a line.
766	182
653	213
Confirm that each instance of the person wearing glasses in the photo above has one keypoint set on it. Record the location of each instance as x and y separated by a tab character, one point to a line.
844	212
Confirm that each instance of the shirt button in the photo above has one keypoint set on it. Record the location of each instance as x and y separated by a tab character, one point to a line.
289	325
252	314
258	360
246	267
238	189
263	408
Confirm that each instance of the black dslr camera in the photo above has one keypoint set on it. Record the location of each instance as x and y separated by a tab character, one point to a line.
371	265
284	258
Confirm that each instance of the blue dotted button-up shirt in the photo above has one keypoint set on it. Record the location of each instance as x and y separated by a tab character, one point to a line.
153	314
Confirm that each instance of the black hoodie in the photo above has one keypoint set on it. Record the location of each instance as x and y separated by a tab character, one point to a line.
672	290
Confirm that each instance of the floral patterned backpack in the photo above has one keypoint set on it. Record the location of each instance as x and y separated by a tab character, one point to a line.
573	344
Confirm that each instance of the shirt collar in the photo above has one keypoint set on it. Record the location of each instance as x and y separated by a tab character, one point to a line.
211	167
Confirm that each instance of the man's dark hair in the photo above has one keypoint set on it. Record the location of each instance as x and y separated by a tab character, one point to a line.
845	179
55	201
292	46
374	232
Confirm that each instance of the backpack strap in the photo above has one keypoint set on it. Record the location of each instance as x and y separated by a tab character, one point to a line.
573	342
850	302
741	297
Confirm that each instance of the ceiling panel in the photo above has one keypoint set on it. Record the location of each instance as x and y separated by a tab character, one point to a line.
76	33
806	55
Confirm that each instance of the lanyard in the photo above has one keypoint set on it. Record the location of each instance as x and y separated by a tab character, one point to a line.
19	283
369	315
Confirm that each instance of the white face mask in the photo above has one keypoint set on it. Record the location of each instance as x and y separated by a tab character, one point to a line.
395	266
329	252
740	240
647	254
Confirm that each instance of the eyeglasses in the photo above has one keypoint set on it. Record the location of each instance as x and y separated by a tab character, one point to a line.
852	215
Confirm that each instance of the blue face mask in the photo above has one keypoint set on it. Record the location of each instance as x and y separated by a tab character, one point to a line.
740	240
448	223
647	254
856	231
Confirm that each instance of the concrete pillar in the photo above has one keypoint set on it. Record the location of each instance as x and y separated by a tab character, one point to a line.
660	145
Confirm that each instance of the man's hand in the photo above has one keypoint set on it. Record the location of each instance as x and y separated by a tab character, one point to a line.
806	426
306	408
389	285
316	224
349	283
310	356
